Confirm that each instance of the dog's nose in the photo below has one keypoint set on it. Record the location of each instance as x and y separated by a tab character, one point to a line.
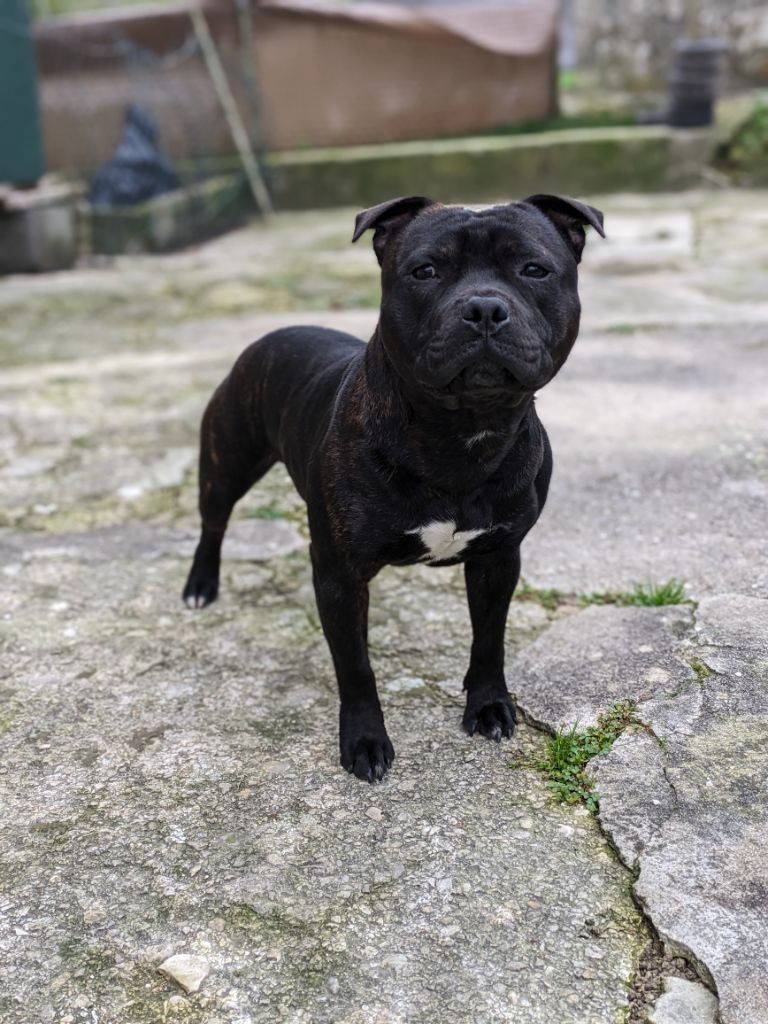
485	313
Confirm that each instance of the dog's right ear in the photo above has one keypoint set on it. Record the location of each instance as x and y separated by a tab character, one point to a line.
388	218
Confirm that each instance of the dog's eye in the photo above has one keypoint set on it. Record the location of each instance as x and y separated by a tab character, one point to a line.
424	272
534	270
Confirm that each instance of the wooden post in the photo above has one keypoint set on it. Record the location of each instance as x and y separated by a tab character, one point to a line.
231	113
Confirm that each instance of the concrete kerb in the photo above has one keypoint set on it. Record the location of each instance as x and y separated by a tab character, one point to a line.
477	169
578	161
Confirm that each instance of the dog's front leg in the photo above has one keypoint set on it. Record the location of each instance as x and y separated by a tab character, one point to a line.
491	581
342	600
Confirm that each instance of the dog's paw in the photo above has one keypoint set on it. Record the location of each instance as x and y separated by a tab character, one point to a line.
494	719
201	588
368	757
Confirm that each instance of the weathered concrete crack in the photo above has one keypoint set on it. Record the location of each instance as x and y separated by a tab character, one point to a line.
662	956
676	948
672	786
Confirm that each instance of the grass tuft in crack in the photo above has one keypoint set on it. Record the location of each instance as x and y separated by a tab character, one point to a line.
567	754
646	595
547	598
643	594
702	670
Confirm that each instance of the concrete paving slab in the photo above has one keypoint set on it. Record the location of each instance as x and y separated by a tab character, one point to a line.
169	781
171	789
603	656
687	806
660	449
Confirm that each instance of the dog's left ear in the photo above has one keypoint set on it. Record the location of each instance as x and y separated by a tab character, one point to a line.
388	218
569	217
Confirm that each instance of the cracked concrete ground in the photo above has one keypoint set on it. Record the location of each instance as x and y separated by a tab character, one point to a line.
169	781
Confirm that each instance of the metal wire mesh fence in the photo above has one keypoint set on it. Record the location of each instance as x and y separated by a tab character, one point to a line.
153	99
91	69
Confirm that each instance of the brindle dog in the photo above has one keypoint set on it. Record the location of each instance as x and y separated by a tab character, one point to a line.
421	446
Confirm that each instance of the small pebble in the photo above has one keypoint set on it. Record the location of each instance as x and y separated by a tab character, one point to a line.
188	971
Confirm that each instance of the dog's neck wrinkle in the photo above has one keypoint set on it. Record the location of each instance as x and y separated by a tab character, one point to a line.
413	433
388	388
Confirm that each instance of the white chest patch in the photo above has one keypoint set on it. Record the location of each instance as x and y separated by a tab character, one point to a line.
477	438
443	540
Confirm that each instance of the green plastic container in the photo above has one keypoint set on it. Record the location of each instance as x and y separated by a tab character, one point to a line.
21	145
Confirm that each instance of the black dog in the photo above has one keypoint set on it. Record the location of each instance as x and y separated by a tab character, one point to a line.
422	446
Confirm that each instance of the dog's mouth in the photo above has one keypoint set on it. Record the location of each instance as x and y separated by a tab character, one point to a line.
486	378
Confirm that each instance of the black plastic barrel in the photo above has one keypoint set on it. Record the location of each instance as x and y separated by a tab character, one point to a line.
694	82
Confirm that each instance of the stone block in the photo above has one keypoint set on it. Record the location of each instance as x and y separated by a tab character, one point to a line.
38	229
170	221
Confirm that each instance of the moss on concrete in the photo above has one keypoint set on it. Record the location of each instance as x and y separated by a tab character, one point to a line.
744	155
468	169
477	169
170	221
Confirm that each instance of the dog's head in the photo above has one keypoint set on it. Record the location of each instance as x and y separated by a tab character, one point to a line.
478	307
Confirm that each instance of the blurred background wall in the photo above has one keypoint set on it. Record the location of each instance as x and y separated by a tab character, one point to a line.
328	74
479	99
346	73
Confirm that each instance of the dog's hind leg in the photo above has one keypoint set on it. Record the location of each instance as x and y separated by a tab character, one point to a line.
234	454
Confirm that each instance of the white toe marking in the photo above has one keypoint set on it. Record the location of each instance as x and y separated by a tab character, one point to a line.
443	540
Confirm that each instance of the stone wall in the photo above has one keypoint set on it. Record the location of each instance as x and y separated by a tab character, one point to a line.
629	43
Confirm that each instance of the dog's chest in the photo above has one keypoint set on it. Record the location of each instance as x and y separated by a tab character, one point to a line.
438	528
443	541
